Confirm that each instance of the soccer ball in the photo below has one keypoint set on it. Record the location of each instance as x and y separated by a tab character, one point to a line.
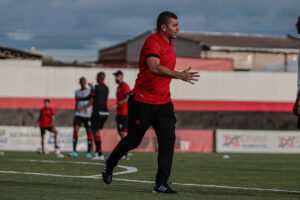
60	156
57	151
40	151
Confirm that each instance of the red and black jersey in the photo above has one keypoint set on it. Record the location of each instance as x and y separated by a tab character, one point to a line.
99	94
46	117
150	88
122	90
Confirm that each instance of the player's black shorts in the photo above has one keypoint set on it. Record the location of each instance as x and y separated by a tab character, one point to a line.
78	121
98	121
122	123
43	130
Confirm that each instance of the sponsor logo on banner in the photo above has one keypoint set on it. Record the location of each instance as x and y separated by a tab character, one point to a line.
289	142
255	141
245	140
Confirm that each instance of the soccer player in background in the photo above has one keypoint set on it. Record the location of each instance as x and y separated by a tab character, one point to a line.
98	98
83	112
151	104
123	92
46	122
296	109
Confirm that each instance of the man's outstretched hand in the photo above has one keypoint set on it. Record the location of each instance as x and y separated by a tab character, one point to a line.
188	76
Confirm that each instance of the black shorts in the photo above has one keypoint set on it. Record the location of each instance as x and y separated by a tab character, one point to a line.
140	117
98	122
122	123
78	121
43	130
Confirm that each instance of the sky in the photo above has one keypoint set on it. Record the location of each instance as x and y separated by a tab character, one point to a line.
76	29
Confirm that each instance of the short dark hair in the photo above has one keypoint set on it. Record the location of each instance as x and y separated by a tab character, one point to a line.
163	18
119	72
81	78
101	74
46	100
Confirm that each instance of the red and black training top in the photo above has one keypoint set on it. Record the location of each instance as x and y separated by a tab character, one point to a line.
122	90
150	88
46	117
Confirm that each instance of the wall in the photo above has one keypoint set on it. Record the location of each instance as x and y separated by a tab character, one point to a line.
30	79
250	60
243	100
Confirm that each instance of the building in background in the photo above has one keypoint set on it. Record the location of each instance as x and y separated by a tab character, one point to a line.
10	53
246	52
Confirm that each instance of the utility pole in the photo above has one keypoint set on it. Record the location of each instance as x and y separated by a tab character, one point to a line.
207	17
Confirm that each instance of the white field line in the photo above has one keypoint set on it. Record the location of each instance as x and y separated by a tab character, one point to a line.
213	186
128	169
132	170
44	174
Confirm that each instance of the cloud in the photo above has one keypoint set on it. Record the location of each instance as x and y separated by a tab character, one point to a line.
20	36
95	24
101	43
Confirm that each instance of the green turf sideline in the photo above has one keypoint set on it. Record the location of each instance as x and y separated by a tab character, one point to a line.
130	170
152	182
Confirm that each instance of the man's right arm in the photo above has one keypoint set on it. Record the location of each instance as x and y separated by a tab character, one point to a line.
85	107
75	101
157	69
84	98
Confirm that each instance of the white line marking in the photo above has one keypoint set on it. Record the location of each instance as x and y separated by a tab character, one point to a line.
213	186
44	174
128	169
132	170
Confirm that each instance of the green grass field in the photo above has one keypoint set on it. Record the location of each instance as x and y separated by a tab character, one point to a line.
205	171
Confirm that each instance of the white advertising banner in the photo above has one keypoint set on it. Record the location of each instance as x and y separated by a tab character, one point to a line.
24	138
256	141
18	138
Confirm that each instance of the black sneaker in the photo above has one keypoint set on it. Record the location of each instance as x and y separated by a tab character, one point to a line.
106	173
163	188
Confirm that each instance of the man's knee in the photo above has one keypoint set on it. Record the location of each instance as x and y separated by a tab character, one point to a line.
132	142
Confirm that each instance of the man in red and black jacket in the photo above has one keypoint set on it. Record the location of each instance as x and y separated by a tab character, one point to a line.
123	92
151	104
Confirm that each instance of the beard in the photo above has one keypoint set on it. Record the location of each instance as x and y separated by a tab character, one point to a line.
117	82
